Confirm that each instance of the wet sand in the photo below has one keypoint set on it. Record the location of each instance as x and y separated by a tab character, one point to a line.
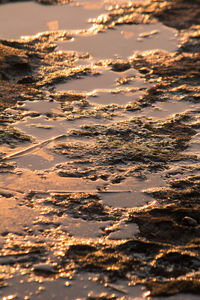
99	149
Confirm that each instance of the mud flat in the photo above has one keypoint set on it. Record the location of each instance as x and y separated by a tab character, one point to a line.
99	150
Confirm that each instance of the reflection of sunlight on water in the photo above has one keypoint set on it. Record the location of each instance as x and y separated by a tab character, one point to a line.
135	196
50	181
40	159
42	167
41	106
89	5
194	145
127	34
53	25
124	40
103	80
164	110
14	217
122	97
43	128
106	88
82	228
125	231
32	18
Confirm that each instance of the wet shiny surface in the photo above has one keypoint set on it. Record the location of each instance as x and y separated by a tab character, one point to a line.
99	169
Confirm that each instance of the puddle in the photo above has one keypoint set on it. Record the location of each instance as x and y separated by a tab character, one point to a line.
40	160
42	107
125	231
126	199
118	289
89	217
45	182
82	228
104	80
49	122
80	287
122	97
32	18
163	110
167	109
103	89
14	218
194	145
42	128
133	194
123	41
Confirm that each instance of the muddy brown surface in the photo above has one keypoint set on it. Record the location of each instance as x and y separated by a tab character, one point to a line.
101	201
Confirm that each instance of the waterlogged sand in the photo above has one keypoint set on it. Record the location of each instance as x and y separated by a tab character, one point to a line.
99	150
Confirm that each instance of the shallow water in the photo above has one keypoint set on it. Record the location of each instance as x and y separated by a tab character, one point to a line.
123	41
32	18
92	165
